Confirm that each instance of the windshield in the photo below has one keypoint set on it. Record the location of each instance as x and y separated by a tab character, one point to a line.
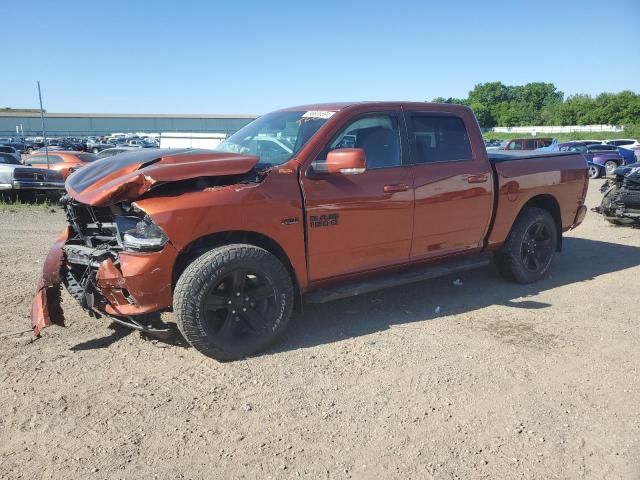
277	136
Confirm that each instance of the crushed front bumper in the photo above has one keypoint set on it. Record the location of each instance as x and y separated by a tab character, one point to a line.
122	284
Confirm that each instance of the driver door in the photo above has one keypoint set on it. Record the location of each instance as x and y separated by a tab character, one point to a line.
361	222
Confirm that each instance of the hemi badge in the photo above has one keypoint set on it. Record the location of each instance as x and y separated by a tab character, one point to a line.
290	221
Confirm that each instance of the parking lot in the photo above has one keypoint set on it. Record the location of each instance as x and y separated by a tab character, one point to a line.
461	377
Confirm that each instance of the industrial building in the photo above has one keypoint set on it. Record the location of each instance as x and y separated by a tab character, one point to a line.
80	124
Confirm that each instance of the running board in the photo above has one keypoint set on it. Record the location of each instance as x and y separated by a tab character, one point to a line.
416	274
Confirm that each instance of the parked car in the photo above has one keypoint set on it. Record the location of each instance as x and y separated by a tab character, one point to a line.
627	155
621	201
493	144
628	143
16	177
138	143
110	152
99	146
372	195
64	145
595	170
11	151
610	160
528	143
32	145
65	162
20	146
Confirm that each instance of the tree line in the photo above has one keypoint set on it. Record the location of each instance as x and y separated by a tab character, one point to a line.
539	103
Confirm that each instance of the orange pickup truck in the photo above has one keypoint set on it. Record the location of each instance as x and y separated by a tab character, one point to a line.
308	203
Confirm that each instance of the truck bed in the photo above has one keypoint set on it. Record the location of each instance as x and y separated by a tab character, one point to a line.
504	156
559	177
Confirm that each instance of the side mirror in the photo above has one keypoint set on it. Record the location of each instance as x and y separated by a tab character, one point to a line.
345	161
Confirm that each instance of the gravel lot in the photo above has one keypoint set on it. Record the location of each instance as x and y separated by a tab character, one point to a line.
506	381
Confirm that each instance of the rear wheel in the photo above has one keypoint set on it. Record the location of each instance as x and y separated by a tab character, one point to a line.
528	252
233	301
610	166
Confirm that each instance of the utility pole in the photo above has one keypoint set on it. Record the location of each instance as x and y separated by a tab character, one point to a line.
44	132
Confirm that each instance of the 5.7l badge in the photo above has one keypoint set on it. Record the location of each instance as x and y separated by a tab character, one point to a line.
324	220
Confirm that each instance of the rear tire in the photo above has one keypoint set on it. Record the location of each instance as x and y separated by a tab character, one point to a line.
233	301
529	249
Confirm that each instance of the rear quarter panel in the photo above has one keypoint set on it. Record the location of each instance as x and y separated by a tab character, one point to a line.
520	180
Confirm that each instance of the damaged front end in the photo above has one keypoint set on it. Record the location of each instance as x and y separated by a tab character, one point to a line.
621	201
112	258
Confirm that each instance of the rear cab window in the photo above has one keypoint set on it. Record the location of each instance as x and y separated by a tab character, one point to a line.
437	138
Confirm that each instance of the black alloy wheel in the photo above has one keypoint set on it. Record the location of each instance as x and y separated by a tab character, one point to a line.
536	247
233	301
242	305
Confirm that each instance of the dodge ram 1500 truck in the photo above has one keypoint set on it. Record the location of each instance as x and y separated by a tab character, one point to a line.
309	203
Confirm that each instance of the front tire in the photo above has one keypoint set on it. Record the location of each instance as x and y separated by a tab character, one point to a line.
529	249
95	150
233	301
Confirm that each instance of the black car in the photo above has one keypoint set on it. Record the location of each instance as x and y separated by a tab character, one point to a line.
100	146
19	146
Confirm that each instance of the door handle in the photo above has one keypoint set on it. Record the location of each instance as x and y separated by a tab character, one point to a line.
477	178
398	187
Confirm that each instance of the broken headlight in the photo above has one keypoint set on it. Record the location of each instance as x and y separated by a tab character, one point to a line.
140	234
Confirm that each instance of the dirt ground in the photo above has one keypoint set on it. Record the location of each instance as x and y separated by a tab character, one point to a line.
434	380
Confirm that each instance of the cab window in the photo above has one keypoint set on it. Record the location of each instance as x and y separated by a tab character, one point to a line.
377	135
439	138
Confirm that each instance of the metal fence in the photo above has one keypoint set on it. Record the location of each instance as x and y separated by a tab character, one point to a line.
557	129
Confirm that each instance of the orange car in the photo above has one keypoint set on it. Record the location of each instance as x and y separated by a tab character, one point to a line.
61	161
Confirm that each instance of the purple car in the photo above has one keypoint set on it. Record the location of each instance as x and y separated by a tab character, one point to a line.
609	159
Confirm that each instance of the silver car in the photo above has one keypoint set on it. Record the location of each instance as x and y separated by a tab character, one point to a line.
14	176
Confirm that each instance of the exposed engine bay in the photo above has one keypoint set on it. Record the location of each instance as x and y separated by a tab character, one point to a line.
621	201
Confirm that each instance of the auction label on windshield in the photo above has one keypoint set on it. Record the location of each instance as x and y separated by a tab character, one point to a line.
318	114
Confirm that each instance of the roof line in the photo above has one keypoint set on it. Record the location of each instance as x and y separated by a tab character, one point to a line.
122	115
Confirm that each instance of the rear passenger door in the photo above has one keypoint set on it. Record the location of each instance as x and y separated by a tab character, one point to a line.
453	187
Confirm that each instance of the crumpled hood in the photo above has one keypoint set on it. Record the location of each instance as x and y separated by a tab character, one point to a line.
129	175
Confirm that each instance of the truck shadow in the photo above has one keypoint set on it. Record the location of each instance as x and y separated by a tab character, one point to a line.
581	261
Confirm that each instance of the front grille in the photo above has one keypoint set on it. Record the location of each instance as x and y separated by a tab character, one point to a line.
36	175
92	226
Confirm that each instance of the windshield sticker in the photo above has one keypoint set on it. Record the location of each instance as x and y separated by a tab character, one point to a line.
318	114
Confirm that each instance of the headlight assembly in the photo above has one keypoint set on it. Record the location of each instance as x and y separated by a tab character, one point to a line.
140	234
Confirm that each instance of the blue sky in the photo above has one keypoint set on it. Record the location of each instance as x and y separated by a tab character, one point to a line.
256	56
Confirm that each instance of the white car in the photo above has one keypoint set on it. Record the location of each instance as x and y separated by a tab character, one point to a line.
11	151
628	143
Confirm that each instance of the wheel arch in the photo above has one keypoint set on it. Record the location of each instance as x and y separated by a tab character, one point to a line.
550	204
219	239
